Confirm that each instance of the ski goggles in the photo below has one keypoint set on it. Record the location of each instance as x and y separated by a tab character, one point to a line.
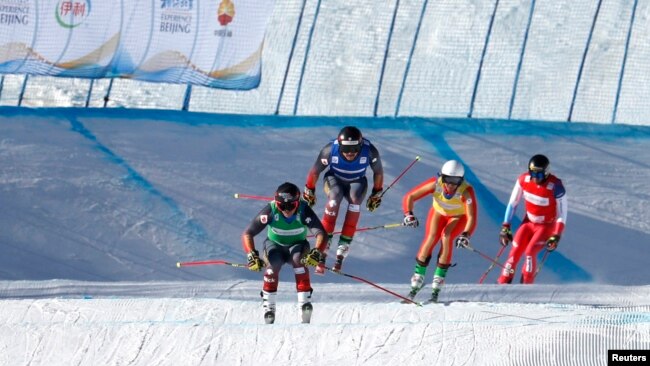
537	174
350	146
452	180
287	205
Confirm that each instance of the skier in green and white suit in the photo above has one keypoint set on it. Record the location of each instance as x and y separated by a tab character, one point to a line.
288	220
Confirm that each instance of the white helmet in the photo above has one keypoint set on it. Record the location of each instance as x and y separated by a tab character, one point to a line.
452	168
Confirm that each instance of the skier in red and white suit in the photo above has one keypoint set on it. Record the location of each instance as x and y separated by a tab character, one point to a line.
546	212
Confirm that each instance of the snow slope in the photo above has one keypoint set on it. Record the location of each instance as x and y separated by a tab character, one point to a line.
99	205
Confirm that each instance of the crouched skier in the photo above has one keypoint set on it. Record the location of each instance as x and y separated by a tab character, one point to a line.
287	219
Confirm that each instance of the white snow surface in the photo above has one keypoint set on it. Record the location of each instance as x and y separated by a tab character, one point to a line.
99	205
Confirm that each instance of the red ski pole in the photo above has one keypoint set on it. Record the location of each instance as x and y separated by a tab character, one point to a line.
406	299
417	158
387	226
541	263
210	262
261	198
492	265
488	258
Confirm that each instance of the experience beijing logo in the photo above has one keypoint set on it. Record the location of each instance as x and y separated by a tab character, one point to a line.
71	14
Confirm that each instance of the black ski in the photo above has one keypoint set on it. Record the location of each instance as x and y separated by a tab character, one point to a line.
269	317
306	311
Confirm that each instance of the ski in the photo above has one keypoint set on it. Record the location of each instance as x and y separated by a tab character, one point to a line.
410	297
269	317
306	311
429	301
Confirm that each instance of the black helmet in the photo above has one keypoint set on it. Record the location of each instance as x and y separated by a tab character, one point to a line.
538	167
350	139
287	196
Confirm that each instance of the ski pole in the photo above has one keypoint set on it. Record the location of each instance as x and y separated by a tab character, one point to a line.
541	263
489	259
417	158
374	285
252	197
492	265
387	226
204	263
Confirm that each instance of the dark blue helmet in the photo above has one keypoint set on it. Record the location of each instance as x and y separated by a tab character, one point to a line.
350	139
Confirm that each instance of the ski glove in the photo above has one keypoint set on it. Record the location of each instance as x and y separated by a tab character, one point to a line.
313	258
410	219
552	242
505	236
254	261
309	196
463	240
374	201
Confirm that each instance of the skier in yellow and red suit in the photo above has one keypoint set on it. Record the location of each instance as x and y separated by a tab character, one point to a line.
453	215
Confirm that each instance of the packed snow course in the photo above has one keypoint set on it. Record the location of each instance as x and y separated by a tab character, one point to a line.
99	205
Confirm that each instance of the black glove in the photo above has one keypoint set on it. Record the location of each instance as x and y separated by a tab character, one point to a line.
374	201
552	242
309	196
463	240
254	261
410	219
313	258
505	236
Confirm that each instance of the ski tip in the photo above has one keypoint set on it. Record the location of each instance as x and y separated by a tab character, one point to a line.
269	317
417	157
236	195
178	264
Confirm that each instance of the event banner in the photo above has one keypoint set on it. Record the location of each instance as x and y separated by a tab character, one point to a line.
214	43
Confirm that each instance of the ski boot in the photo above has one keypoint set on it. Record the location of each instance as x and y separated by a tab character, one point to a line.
338	264
434	295
341	252
417	281
438	282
